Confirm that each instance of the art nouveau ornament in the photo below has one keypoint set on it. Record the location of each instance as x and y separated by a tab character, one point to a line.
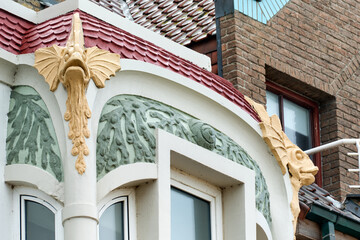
289	156
73	66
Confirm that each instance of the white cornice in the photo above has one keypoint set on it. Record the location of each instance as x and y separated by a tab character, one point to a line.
114	19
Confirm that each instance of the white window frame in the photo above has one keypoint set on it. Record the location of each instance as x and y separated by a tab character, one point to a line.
127	196
237	184
203	190
20	195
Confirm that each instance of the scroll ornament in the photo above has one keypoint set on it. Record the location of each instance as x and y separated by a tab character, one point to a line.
289	156
73	66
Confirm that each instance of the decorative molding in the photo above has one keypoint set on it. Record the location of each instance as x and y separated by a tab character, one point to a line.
126	135
73	66
289	156
31	135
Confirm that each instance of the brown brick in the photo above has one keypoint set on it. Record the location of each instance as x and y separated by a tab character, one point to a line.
316	44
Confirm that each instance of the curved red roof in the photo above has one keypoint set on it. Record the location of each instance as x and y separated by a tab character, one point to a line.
19	37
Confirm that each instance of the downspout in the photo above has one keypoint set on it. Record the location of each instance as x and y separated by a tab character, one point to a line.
328	231
218	47
327	227
222	8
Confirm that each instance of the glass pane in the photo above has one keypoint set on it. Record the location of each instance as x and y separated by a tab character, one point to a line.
272	103
190	217
297	124
111	225
39	222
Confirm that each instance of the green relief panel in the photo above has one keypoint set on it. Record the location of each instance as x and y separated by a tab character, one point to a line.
126	135
31	137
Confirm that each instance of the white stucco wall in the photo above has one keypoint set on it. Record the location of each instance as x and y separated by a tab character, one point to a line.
139	78
165	86
5	190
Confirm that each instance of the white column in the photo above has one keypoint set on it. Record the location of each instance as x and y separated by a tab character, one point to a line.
80	216
5	190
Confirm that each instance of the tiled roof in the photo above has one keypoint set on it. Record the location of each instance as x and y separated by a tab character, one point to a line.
182	21
313	194
24	37
12	31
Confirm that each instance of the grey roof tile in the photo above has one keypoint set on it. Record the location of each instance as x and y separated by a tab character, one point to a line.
183	21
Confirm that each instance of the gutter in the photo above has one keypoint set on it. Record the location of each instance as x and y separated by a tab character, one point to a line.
331	221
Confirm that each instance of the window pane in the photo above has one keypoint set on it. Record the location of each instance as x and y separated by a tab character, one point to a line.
297	124
111	225
272	103
190	217
39	222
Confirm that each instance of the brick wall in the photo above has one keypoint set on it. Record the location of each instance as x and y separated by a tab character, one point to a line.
312	48
207	47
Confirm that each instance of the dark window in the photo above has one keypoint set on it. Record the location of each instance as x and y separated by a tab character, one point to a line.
299	117
39	222
296	119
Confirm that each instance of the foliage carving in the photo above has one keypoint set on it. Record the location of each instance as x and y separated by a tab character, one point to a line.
126	135
31	138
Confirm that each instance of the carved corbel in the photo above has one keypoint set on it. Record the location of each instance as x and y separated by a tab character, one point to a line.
73	66
289	156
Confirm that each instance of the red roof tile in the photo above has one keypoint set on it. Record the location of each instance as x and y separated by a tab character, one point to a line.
105	36
12	30
189	20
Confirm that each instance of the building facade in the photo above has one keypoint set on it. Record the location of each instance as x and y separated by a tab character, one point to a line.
120	159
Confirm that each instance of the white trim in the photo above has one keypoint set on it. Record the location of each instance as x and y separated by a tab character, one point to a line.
262	223
237	182
7	68
112	18
25	59
31	176
131	175
128	197
20	195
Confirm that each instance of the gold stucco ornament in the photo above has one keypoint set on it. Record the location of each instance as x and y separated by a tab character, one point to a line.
73	66
289	156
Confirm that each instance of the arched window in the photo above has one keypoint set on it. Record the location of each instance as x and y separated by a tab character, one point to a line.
38	219
115	215
113	220
39	215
